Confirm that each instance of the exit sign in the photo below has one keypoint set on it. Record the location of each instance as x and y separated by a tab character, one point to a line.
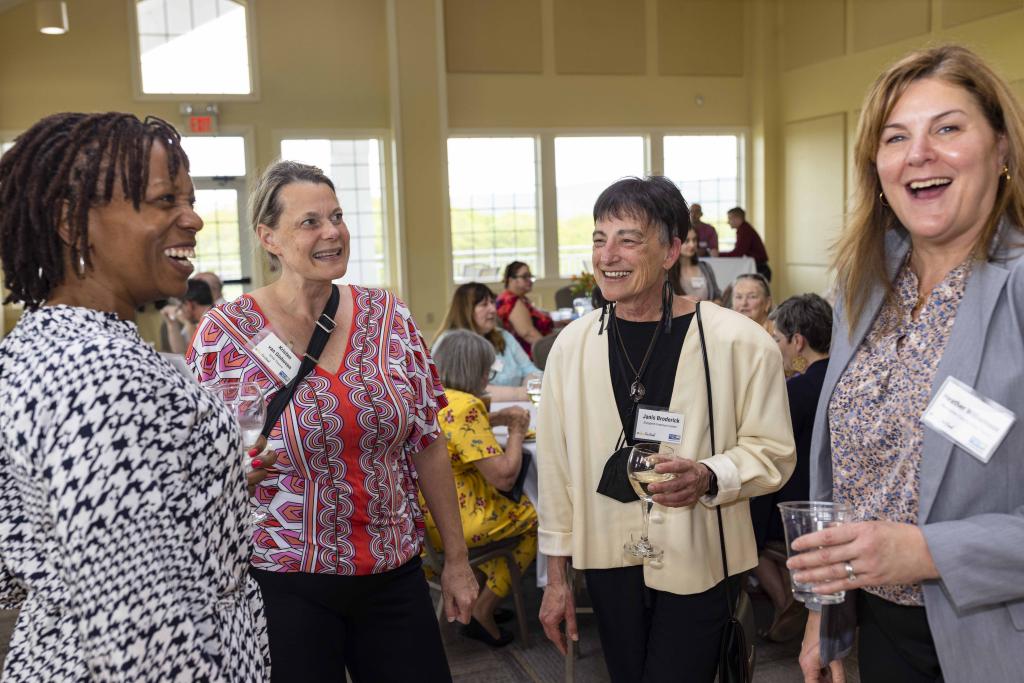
201	124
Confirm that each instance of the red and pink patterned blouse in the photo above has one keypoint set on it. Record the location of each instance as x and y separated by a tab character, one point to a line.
342	497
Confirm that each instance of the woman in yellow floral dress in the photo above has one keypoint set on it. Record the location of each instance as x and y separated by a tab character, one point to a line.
482	469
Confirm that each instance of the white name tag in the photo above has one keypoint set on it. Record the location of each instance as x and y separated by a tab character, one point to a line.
276	355
498	366
697	282
658	425
971	421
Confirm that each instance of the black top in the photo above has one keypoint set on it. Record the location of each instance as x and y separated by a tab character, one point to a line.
660	374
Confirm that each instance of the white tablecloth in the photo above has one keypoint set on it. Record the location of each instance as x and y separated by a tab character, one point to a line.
530	484
728	269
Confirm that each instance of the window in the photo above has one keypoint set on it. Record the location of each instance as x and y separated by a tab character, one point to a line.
223	246
584	166
709	171
356	168
492	193
193	46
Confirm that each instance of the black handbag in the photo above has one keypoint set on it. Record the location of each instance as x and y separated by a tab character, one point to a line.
735	661
321	332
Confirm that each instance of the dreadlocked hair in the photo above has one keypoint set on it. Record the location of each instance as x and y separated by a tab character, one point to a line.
56	171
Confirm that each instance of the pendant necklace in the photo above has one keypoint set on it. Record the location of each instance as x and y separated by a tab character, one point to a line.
637	391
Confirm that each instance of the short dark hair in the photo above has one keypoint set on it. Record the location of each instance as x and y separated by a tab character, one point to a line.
738	211
808	314
654	200
59	169
510	271
198	292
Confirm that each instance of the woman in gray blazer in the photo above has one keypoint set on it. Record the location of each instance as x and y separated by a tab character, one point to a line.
924	382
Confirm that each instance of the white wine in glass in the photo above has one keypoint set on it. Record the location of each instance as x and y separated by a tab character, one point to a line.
640	469
533	389
248	406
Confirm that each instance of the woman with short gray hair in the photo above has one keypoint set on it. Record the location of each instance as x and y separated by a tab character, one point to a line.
483	470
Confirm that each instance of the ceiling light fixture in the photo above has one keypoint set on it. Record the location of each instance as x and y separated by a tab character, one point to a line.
52	17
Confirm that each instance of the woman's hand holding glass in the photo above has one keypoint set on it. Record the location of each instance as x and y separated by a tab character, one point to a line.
690	481
880	553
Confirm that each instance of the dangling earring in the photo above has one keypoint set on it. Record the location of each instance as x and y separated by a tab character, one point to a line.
80	269
1006	172
799	364
881	198
666	302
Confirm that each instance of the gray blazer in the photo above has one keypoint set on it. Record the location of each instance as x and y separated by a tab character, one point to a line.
972	514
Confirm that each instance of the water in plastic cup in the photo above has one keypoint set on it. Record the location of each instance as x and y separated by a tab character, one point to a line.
804	517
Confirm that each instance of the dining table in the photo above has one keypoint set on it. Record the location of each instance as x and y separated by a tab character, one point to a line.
530	482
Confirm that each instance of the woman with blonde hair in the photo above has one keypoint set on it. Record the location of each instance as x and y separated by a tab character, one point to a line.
914	429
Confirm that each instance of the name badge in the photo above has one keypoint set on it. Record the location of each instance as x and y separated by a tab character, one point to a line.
498	366
276	355
658	425
697	282
974	423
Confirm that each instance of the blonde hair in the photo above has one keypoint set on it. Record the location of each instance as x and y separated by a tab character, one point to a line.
859	253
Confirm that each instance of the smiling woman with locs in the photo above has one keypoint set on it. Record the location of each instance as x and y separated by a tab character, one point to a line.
337	552
122	501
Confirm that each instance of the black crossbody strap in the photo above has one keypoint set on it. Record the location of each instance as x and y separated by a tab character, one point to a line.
711	425
321	332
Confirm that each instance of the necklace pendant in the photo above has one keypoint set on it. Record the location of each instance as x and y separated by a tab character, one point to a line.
636	391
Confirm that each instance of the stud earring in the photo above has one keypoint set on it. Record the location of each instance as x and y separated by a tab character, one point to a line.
1006	172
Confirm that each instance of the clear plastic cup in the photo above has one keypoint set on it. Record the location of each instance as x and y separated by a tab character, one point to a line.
804	517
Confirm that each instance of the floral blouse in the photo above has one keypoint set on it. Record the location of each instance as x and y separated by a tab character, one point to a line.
875	411
342	497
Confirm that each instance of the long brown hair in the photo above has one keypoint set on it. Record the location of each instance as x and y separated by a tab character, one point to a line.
859	253
460	313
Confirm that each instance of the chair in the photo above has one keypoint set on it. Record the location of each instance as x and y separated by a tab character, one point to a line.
478	556
572	576
563	297
541	348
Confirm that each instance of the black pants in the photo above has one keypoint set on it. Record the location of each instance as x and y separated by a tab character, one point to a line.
895	643
381	626
653	636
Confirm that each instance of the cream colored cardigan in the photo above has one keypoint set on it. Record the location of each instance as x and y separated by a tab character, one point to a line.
579	423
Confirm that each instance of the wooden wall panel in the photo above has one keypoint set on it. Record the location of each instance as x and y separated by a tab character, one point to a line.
600	36
700	37
956	12
881	23
493	36
812	31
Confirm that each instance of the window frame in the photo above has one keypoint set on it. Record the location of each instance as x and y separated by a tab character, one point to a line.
393	254
547	196
251	43
543	247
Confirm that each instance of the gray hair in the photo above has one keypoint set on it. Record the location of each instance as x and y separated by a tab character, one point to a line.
808	314
264	202
463	359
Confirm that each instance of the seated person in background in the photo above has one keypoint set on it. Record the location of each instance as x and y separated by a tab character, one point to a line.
803	331
482	469
473	309
692	277
707	236
517	314
216	286
752	297
748	242
180	321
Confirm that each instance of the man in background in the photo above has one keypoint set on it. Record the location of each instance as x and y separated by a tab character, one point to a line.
216	286
180	320
707	236
748	242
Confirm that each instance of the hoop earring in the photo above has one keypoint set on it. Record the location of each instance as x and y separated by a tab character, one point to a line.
1006	172
881	199
799	364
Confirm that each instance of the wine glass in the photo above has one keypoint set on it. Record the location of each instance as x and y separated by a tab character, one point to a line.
640	469
533	387
248	407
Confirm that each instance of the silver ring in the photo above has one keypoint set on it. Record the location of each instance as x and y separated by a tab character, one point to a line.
849	572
